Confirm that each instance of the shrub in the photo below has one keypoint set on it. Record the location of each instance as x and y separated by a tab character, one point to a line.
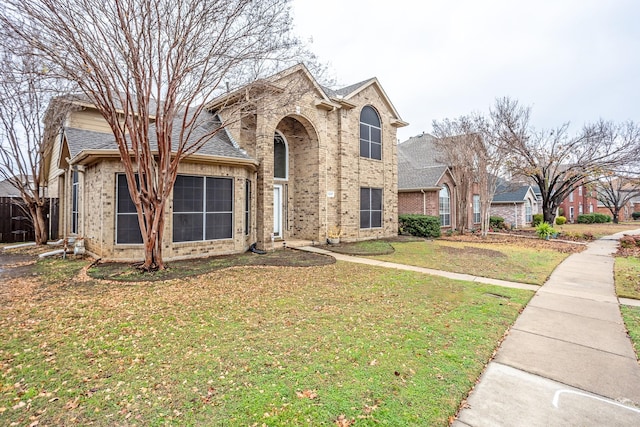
420	225
537	219
561	220
586	219
496	222
635	215
545	230
601	218
560	211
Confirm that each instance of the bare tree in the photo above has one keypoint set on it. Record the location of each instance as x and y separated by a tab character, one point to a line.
615	191
27	128
468	146
556	161
150	67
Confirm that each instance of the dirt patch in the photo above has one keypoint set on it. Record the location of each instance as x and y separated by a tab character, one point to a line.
127	272
524	241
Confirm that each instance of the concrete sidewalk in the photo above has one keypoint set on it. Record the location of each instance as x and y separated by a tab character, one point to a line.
567	360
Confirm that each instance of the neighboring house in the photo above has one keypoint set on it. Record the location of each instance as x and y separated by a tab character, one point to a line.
324	158
425	185
579	201
516	203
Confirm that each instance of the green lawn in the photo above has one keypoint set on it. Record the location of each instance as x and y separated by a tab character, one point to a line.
506	261
598	230
246	346
631	316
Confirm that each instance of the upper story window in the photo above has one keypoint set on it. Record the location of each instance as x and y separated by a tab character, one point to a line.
280	157
571	197
580	191
370	134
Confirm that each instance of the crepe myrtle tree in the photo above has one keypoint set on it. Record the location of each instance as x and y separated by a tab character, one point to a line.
557	161
160	61
466	144
27	126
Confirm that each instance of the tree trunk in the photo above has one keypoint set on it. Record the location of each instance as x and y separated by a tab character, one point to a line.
39	223
616	217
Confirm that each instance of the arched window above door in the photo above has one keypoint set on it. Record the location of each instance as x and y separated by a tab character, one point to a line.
280	157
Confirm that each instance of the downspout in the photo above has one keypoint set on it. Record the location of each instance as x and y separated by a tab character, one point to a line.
424	202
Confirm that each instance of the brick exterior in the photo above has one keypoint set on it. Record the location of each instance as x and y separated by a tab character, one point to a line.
578	201
321	191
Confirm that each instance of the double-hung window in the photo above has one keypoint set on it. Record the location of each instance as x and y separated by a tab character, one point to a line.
370	207
202	208
445	207
476	209
527	213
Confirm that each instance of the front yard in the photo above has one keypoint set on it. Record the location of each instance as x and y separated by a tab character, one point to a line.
338	344
498	257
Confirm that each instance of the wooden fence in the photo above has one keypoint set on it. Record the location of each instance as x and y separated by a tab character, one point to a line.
15	224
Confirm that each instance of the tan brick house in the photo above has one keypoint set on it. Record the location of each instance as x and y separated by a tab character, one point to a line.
312	159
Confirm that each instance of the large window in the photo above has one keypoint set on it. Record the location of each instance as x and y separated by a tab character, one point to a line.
75	187
476	209
445	207
370	207
127	226
202	208
370	134
280	157
527	211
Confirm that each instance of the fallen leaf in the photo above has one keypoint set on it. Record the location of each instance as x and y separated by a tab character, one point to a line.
343	421
307	394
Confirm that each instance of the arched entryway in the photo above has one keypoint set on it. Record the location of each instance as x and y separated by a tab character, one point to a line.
296	184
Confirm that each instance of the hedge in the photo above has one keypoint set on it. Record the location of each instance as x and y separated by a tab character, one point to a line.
593	218
420	225
635	215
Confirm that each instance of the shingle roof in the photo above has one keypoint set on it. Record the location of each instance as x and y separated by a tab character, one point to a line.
418	166
8	190
332	93
510	193
220	144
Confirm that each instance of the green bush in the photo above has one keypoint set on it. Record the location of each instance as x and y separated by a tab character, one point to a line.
496	222
561	220
537	219
544	230
420	225
593	218
635	215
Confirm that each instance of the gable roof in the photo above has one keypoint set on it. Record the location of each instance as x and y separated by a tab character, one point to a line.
418	168
512	193
8	190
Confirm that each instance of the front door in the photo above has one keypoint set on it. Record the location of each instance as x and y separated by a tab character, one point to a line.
277	210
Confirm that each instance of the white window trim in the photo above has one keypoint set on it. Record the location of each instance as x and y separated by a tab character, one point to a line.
286	156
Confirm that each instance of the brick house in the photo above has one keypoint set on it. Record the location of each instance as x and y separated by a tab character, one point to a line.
324	158
426	185
516	203
579	201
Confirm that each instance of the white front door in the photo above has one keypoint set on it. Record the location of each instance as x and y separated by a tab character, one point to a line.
277	210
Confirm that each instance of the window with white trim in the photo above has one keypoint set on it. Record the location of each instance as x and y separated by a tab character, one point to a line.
370	134
476	209
445	206
370	207
528	217
571	196
127	225
75	203
202	208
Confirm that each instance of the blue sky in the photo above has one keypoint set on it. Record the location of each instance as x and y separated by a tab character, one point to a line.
570	60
